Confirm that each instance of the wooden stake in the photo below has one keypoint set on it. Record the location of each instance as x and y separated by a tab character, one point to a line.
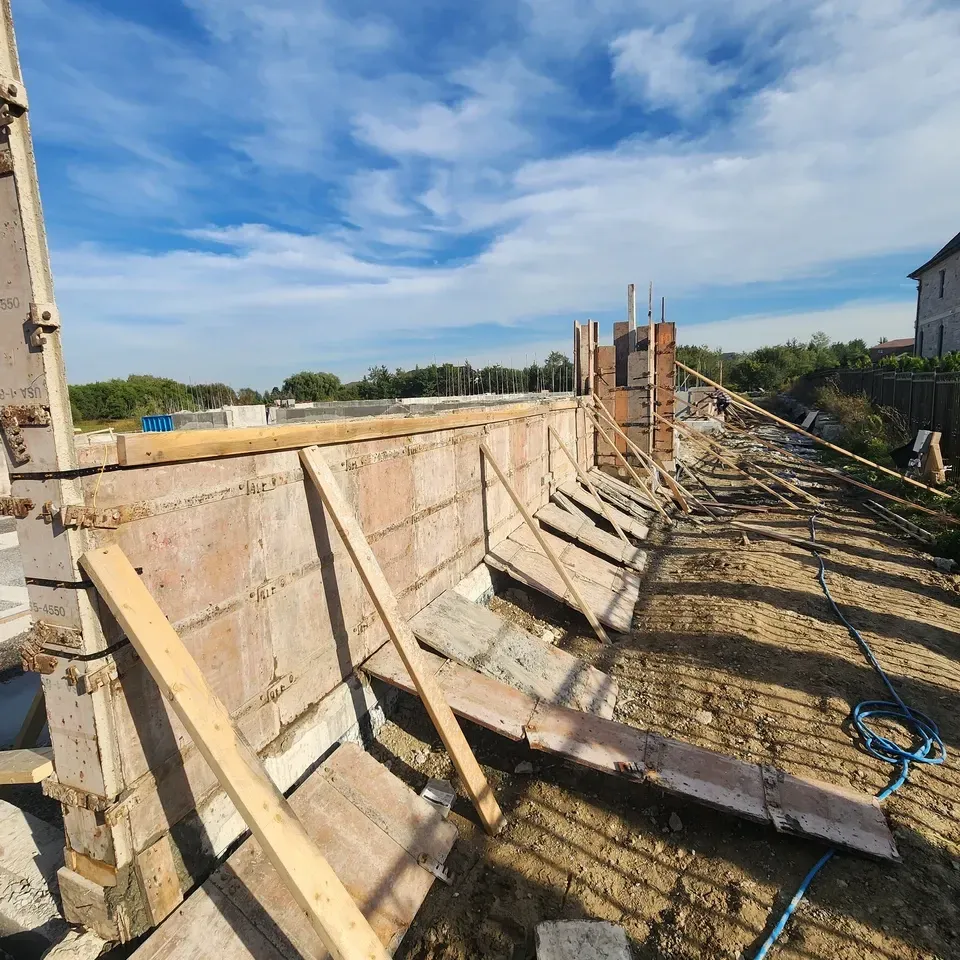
337	920
33	723
693	435
651	370
812	545
538	533
744	402
585	480
633	473
676	491
403	639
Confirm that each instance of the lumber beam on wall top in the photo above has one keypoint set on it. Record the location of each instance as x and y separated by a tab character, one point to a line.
139	449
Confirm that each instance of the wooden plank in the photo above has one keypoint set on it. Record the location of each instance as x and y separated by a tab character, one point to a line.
807	808
301	866
811	545
611	603
476	637
665	355
485	701
624	489
567	504
544	545
582	498
585	480
25	766
158	876
587	566
748	405
590	535
371	828
386	603
178	445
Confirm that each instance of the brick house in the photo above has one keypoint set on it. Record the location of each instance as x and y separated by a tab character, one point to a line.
891	348
937	329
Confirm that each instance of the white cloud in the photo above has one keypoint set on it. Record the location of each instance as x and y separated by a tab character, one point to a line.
847	151
659	67
859	320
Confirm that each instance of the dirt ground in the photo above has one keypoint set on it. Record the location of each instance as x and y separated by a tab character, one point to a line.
734	648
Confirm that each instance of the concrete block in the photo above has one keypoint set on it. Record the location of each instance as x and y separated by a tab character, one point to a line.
581	940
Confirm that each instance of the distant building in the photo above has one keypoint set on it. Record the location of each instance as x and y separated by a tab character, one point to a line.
937	328
891	348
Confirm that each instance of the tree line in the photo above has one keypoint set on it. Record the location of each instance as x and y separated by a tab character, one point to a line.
142	395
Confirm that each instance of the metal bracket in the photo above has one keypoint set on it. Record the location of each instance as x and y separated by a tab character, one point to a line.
34	660
15	507
43	634
278	686
73	797
633	771
13	100
85	517
88	682
44	319
13	418
434	866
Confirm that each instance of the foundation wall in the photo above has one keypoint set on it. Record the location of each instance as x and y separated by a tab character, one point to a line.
244	563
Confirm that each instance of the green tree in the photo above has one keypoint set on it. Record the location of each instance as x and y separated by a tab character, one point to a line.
309	387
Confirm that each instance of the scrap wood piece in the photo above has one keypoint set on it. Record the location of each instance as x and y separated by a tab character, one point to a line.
534	528
348	527
590	535
564	501
484	700
372	829
747	404
585	480
612	603
814	546
25	766
632	494
576	493
476	637
310	879
791	804
623	502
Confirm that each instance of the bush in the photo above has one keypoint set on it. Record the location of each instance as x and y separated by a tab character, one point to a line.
867	430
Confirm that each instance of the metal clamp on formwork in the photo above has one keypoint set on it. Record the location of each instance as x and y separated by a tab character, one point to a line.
13	100
86	517
18	507
12	419
44	319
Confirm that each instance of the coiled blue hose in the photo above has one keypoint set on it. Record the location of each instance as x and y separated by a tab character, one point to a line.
926	735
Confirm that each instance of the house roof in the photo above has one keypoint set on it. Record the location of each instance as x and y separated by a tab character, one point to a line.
952	247
894	344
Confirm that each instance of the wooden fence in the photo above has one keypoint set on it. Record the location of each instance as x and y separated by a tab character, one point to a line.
925	401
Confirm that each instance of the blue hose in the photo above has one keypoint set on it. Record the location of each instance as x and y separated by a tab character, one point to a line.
923	730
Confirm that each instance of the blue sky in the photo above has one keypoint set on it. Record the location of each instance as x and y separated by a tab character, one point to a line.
238	191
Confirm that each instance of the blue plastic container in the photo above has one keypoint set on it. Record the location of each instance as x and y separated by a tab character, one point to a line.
158	424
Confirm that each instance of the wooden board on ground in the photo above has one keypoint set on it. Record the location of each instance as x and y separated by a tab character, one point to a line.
631	526
371	828
478	638
25	766
590	535
612	601
487	702
806	808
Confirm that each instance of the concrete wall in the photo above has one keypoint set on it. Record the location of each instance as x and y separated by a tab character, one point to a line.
243	561
936	311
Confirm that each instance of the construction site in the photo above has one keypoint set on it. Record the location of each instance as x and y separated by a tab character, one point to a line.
626	671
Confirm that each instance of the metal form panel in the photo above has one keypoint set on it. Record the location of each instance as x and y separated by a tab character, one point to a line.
161	423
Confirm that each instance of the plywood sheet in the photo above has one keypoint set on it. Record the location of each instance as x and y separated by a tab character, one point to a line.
583	498
476	637
612	602
590	535
369	826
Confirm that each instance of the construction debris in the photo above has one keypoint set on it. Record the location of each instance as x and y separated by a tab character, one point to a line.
581	940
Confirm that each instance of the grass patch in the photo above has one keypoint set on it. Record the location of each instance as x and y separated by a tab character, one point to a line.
131	425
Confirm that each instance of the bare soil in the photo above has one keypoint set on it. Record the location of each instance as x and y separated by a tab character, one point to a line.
734	648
